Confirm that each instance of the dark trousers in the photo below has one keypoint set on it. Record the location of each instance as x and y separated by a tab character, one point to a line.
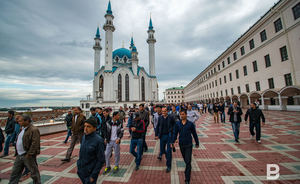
145	146
222	114
257	129
138	155
186	152
74	140
20	163
86	179
165	140
236	129
1	146
68	135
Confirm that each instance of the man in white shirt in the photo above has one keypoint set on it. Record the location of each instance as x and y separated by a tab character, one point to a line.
192	115
28	147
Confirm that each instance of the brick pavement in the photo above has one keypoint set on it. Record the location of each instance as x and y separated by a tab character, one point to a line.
218	160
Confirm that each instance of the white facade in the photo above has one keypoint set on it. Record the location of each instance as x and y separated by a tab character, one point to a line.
174	95
120	80
263	64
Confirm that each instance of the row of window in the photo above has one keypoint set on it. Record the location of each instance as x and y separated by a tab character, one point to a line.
287	78
119	91
178	92
175	97
284	57
263	37
171	101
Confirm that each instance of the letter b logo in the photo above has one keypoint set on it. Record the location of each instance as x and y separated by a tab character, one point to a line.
272	174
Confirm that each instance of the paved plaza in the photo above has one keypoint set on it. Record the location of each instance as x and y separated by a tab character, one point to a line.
217	160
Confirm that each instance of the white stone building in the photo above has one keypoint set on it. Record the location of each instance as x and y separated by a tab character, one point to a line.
174	95
263	64
121	80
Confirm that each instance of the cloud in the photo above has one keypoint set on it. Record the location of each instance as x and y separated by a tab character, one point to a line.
46	54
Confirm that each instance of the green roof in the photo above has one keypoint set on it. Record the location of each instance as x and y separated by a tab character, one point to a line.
181	87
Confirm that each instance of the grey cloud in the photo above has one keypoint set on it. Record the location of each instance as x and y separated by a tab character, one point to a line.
74	43
48	40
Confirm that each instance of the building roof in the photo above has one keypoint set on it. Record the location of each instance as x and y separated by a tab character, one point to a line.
176	88
121	52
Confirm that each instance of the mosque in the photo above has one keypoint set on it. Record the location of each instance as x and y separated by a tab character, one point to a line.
121	80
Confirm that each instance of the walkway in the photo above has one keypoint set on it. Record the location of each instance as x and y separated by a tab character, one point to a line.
218	160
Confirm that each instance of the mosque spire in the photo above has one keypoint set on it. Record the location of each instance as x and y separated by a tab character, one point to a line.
131	43
98	33
108	11
150	24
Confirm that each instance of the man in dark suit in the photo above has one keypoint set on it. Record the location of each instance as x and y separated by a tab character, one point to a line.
164	131
235	113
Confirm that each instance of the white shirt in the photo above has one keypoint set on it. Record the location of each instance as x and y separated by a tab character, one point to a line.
19	145
114	136
76	118
192	116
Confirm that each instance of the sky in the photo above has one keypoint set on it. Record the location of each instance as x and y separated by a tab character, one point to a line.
46	55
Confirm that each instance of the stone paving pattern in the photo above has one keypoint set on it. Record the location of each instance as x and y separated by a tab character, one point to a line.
217	160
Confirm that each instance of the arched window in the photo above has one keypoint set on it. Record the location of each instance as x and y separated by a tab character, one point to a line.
117	59
101	83
143	88
119	88
127	88
125	59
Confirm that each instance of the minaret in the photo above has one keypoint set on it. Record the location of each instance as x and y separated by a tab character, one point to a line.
134	57
97	47
131	43
151	41
109	29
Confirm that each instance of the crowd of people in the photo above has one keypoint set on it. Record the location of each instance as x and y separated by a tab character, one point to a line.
100	135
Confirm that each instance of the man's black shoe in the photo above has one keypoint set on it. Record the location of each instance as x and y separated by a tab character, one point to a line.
159	158
187	182
137	168
168	170
66	160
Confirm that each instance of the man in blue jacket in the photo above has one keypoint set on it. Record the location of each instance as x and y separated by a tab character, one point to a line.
164	131
91	155
186	130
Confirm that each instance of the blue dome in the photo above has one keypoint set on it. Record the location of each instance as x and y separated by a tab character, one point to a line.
121	52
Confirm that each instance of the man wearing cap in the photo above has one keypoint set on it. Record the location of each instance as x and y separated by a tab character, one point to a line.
137	128
91	154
